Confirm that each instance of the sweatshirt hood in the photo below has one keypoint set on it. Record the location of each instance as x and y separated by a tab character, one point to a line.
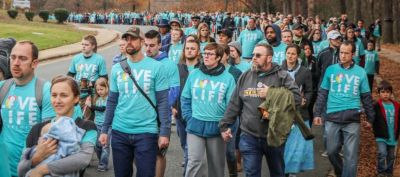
161	56
277	33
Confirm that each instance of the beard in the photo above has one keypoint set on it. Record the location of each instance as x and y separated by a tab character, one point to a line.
131	50
271	41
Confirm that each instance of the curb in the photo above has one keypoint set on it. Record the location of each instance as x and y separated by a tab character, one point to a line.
75	48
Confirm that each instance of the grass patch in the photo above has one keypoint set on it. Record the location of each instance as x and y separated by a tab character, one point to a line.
44	35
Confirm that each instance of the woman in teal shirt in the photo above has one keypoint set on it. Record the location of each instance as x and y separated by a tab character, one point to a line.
204	99
64	97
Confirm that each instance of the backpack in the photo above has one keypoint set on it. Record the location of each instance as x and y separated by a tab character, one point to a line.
6	45
6	87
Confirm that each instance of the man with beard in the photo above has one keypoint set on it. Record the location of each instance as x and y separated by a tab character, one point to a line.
190	60
249	93
152	43
136	133
298	38
18	119
273	38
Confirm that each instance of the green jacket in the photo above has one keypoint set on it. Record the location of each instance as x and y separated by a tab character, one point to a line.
281	107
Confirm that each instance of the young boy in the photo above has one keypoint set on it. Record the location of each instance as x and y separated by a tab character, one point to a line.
386	128
371	63
176	47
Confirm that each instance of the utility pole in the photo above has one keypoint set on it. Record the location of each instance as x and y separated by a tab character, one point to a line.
4	4
226	5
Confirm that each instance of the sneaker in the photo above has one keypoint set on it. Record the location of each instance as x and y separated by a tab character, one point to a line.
324	154
173	121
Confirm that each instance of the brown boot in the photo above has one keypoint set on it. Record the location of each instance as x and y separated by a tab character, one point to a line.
239	161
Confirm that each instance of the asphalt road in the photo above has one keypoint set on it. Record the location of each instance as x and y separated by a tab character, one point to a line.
50	69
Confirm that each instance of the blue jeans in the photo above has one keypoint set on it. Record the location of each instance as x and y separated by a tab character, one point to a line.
386	156
181	131
102	152
253	149
141	147
348	135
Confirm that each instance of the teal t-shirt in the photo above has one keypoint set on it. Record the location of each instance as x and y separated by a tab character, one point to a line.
248	39
376	31
243	66
20	112
202	45
344	86
99	116
317	47
324	44
172	72
359	51
90	137
175	52
279	52
191	30
389	111
133	113
371	57
209	94
90	68
4	164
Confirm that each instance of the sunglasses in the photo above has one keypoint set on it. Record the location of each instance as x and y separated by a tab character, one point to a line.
258	55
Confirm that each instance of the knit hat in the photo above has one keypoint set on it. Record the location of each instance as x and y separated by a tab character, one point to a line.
237	46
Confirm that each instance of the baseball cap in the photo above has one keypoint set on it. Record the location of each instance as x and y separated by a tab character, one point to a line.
134	32
333	34
226	32
175	20
297	26
196	17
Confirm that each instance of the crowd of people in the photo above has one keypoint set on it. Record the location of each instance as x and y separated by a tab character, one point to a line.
233	102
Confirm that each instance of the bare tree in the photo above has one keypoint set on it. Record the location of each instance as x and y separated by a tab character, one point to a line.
310	12
388	22
357	9
304	7
343	7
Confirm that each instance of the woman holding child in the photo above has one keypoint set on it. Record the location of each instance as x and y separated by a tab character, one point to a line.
46	151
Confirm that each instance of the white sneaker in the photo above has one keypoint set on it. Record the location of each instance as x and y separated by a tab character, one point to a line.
324	154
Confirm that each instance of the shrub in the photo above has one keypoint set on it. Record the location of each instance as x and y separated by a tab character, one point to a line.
44	15
61	14
29	15
13	13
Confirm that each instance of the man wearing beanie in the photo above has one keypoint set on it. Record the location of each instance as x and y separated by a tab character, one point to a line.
235	54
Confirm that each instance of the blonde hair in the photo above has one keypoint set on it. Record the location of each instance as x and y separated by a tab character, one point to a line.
102	82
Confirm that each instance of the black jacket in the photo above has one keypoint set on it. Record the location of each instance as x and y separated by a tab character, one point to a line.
325	58
183	75
380	122
303	80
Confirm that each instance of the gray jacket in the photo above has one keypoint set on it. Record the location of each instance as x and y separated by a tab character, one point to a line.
245	99
70	165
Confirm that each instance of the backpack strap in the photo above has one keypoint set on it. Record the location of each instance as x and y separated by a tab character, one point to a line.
125	66
39	91
4	89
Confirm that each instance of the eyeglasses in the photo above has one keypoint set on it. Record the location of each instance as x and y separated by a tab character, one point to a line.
208	54
258	55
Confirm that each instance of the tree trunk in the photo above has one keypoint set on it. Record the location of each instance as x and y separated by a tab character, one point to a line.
304	8
343	8
4	4
387	21
372	2
357	10
396	8
286	7
310	11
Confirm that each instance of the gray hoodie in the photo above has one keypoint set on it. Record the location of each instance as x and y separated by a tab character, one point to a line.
245	100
